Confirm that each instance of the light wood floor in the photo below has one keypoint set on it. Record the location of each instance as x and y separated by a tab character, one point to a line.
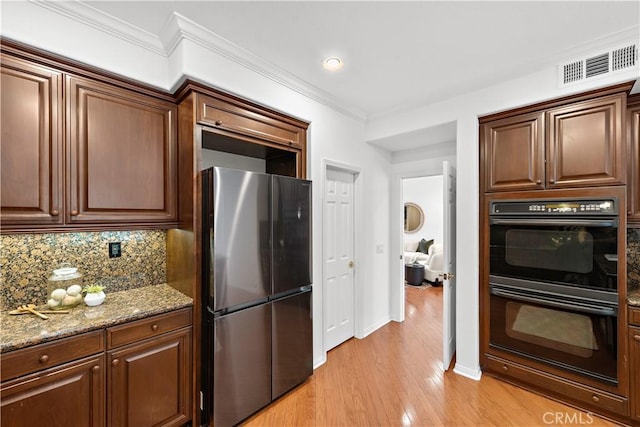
393	378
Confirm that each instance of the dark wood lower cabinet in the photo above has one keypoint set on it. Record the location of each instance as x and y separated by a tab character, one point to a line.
149	382
144	381
70	395
634	357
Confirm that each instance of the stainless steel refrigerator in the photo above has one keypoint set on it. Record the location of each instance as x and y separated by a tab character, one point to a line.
256	287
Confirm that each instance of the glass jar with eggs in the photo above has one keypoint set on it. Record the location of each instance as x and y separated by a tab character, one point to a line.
65	288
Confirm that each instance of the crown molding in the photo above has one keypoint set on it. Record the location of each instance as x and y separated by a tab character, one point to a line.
179	28
87	15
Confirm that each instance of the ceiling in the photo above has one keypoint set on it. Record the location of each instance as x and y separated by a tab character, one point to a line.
397	55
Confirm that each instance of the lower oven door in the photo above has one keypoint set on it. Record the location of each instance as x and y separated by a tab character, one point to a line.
576	336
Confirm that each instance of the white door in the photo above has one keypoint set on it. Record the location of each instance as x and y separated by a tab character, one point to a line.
338	242
449	282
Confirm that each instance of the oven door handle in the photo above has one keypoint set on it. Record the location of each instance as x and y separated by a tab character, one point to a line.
602	311
547	222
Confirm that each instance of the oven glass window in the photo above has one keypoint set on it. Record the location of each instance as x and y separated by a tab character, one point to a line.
575	256
579	342
570	251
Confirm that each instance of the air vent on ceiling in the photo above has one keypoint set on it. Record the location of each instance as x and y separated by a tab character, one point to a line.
617	59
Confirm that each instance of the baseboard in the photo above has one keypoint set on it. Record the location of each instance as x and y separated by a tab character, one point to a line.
474	374
368	331
320	361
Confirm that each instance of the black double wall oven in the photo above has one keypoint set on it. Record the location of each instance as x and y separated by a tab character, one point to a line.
553	293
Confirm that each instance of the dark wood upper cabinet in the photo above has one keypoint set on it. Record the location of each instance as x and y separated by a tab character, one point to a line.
633	144
513	152
585	143
121	156
576	141
242	120
30	144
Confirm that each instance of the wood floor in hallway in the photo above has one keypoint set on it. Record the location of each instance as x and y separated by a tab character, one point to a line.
393	377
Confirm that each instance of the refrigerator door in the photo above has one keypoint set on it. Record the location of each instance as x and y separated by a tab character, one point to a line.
291	222
241	348
292	342
240	240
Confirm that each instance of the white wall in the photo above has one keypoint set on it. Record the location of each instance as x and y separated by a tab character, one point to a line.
331	135
538	86
425	192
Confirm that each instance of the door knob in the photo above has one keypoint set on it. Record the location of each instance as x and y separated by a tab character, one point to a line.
448	276
351	264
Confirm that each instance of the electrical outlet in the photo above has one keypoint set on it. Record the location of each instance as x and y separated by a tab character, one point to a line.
115	250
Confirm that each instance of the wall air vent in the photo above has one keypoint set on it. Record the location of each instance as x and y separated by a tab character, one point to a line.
573	72
625	57
597	65
602	64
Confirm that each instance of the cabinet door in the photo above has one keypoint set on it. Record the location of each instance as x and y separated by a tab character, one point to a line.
634	355
121	155
70	395
633	142
149	383
30	144
585	143
513	150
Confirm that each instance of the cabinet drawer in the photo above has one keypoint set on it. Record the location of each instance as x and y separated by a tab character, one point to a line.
565	389
147	328
634	316
41	356
225	116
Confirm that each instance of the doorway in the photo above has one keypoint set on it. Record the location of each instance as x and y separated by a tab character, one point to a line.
442	231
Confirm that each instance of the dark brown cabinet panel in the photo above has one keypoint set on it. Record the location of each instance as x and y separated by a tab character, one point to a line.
121	155
634	357
30	144
513	151
149	382
70	395
573	144
633	142
243	120
585	143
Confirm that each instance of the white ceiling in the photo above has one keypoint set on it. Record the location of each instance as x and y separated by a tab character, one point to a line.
398	55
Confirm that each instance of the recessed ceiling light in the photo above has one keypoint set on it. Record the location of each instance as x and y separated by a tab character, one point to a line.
332	64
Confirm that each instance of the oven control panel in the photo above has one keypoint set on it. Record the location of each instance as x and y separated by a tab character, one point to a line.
556	207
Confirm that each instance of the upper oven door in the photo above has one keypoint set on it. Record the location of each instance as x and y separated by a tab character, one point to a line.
578	252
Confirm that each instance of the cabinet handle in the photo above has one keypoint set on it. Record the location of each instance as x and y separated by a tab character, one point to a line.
552	181
629	213
154	327
595	398
505	368
74	213
55	212
218	122
538	181
636	338
44	358
115	362
96	368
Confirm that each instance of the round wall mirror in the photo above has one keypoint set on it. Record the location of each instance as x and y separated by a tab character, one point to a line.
413	217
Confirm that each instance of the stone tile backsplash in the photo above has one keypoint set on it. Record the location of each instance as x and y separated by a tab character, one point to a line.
27	261
633	259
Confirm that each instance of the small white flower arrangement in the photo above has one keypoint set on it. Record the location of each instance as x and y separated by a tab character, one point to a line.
93	295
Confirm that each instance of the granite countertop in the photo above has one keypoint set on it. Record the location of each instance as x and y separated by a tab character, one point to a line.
633	297
18	331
